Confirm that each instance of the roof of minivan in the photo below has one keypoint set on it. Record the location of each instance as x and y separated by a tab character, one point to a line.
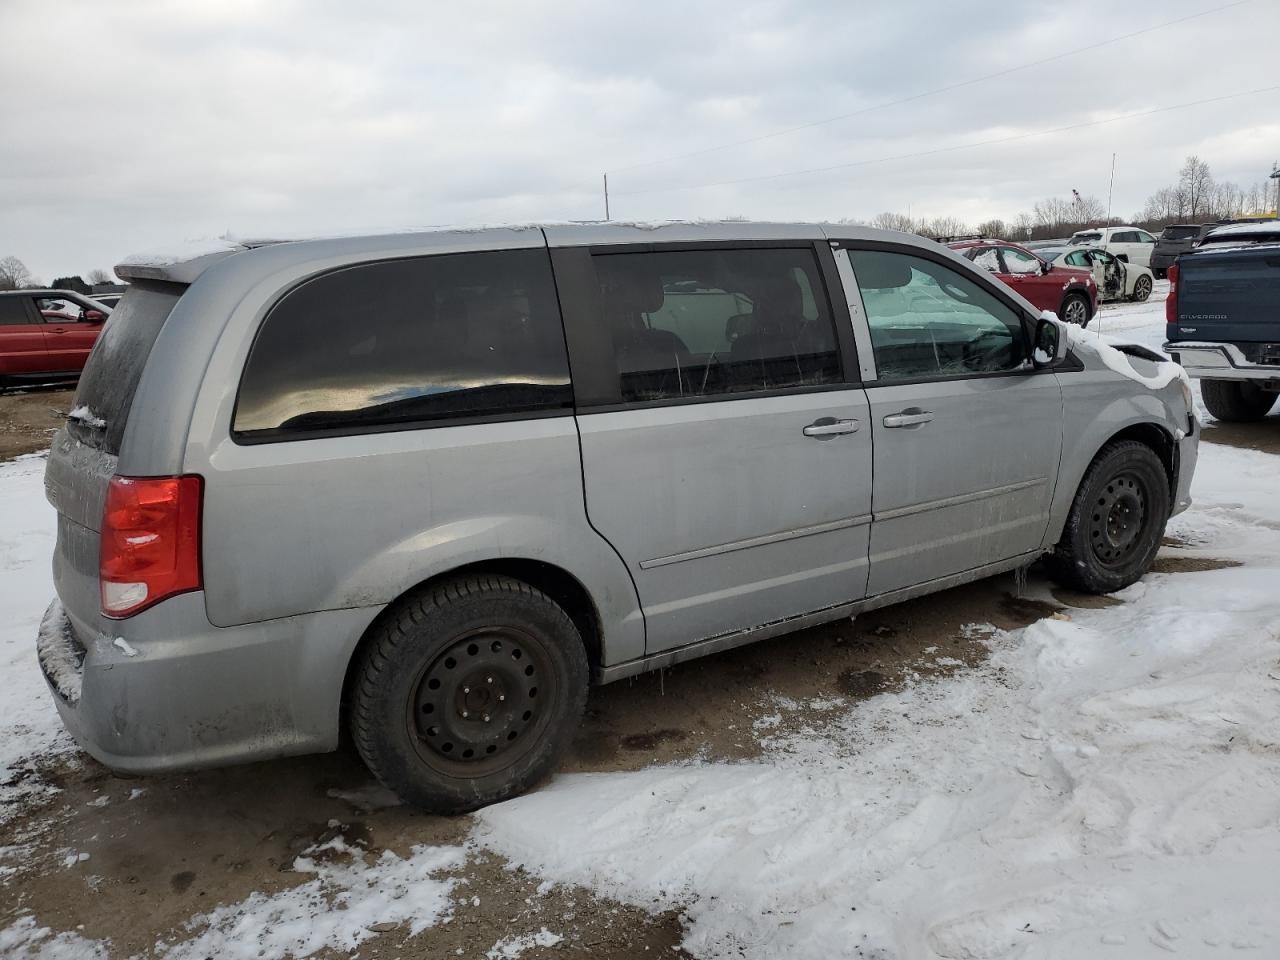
188	261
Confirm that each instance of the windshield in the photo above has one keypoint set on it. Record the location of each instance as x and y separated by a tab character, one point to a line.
1092	237
1179	233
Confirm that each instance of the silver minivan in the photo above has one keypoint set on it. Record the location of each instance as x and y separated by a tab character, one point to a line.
430	486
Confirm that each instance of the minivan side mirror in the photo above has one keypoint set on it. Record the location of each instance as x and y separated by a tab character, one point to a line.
1045	266
94	316
1050	343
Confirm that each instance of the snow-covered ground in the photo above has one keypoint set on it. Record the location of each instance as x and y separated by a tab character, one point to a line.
1107	784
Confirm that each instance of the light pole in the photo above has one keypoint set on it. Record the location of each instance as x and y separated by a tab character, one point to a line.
1275	175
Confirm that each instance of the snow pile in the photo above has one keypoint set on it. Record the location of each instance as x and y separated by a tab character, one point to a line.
508	948
1108	781
25	940
347	901
30	728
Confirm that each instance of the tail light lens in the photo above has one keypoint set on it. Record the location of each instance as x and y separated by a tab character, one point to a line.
1171	301
150	542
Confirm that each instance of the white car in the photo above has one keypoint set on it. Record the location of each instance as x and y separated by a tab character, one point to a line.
1116	279
1127	243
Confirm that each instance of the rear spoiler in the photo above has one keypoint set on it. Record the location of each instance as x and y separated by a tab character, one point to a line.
185	263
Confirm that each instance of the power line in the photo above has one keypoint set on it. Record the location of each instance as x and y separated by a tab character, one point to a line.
926	93
959	146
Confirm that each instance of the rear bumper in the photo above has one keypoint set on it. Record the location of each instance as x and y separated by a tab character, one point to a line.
165	698
1219	361
1163	261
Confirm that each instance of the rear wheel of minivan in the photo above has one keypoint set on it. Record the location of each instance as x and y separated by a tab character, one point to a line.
467	692
1117	519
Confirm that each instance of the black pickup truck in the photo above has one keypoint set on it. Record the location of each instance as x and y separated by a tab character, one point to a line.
1223	318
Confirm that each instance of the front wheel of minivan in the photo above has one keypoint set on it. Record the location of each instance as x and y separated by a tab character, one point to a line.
467	692
1117	519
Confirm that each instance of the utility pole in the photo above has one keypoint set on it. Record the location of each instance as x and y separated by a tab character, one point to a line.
1275	175
1111	188
606	196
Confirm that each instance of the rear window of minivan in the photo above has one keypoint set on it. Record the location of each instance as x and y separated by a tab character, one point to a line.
115	366
404	343
1179	233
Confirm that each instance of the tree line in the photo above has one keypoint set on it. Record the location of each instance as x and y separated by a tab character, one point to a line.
1196	197
14	275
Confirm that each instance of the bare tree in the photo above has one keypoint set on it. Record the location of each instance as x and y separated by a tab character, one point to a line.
14	274
994	227
1167	203
943	227
100	276
1087	209
1052	212
893	221
1196	184
1023	224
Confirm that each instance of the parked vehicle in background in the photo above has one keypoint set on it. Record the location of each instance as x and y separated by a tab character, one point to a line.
290	503
1036	245
1069	292
1223	318
47	334
1116	279
1131	244
1175	240
108	293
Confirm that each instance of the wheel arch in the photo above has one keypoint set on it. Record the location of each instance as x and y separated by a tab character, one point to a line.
556	582
1149	433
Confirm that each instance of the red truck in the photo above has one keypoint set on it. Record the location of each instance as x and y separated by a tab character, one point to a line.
1070	293
46	334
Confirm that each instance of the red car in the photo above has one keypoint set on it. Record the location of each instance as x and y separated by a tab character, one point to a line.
1070	293
46	334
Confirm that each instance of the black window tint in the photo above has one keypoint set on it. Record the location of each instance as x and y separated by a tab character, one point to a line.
407	341
13	310
696	323
115	366
928	321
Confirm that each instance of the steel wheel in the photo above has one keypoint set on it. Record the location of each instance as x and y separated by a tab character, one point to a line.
1076	311
1142	289
1117	520
475	709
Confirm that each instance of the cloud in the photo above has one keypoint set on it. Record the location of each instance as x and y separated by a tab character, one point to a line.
138	122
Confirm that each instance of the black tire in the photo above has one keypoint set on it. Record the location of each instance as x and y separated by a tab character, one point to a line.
1141	289
468	692
1161	273
1116	520
1076	309
1234	402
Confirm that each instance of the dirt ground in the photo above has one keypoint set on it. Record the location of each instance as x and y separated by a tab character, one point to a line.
29	417
160	850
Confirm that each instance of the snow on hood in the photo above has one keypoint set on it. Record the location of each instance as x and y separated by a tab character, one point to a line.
1115	352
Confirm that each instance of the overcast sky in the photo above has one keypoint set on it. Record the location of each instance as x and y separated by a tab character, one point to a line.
127	126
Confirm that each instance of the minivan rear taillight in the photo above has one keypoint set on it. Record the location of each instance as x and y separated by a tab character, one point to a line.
1171	301
150	542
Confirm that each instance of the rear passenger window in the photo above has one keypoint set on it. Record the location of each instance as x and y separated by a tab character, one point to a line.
928	321
458	336
13	310
697	323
